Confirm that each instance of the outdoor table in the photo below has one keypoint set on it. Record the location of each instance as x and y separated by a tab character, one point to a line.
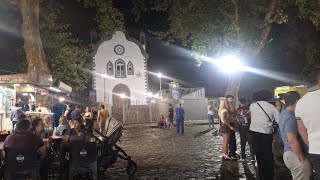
55	137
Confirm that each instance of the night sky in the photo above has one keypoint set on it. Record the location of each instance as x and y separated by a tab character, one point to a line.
171	60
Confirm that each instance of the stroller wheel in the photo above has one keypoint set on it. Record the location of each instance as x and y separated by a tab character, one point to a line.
102	169
131	168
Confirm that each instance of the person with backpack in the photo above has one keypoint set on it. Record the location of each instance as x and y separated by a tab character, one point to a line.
179	114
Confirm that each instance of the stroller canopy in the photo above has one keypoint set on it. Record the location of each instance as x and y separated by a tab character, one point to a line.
111	126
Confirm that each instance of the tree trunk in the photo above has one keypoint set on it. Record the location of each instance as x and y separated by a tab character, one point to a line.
234	86
32	41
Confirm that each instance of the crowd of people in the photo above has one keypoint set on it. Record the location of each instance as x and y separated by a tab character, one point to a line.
293	118
38	133
178	115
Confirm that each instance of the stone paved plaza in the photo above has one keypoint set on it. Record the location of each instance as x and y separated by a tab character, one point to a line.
162	154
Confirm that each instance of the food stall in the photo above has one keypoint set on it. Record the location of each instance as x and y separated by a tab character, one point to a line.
35	94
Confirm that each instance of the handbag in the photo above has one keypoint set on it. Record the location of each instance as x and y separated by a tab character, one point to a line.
274	123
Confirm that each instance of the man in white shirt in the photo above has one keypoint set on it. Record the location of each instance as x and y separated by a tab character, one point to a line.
210	114
308	114
262	116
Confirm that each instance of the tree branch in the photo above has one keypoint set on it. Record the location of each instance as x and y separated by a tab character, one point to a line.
236	11
267	28
13	2
236	15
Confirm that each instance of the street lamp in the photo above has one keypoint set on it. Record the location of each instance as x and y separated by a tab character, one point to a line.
160	76
123	96
104	76
149	94
61	99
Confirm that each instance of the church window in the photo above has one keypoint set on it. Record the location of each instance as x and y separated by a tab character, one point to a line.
110	68
120	68
130	68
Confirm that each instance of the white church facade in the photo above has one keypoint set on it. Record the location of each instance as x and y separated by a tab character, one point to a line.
120	67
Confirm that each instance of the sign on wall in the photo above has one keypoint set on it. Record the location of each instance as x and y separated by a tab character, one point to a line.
65	87
16	79
175	95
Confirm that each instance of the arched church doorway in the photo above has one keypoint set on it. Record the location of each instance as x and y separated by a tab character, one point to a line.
118	102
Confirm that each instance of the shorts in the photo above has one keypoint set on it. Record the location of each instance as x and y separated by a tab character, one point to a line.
224	128
171	120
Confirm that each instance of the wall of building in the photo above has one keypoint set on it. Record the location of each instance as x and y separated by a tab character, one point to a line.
135	54
195	109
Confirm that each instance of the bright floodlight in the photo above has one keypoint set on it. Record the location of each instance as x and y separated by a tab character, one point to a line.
229	63
159	75
149	94
104	76
122	96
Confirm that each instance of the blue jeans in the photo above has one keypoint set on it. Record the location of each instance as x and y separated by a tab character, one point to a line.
180	126
210	119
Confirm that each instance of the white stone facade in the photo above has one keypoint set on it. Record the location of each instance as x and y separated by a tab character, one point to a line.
124	59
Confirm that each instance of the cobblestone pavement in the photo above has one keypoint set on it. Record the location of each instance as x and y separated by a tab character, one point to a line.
163	154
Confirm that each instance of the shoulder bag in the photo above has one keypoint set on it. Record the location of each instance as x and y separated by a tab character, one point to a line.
274	123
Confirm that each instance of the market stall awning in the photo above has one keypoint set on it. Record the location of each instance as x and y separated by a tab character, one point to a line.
17	79
41	79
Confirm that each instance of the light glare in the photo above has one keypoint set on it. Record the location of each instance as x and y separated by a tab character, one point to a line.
122	96
229	64
55	89
104	76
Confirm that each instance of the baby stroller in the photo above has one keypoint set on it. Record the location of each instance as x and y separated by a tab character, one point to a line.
108	150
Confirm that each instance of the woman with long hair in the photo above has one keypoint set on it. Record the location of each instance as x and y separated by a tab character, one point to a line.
225	127
88	117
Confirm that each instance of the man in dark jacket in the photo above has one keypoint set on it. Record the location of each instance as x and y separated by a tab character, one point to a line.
76	113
